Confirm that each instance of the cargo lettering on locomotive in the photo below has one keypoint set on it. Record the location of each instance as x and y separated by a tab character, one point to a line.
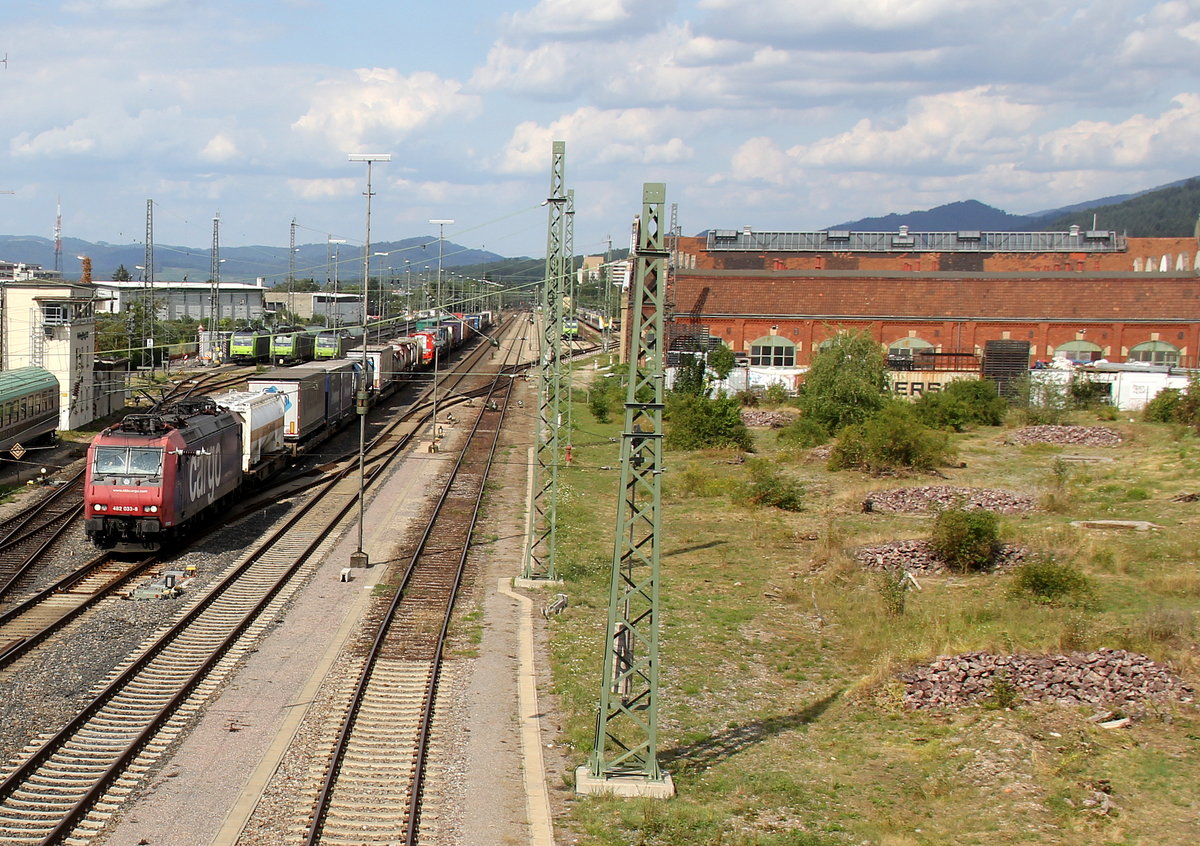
204	472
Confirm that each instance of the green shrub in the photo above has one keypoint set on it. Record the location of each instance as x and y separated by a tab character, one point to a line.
966	540
1085	392
1048	582
890	440
776	394
962	403
700	423
769	487
893	588
1162	408
747	398
604	396
803	432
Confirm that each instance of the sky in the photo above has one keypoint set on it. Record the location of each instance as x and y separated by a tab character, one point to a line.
789	115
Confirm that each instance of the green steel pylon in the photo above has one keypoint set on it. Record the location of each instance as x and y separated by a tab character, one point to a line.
541	543
626	742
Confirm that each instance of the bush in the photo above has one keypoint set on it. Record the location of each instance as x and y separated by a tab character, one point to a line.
1163	407
604	396
700	423
966	540
891	440
771	488
1085	392
775	394
962	403
1048	582
803	432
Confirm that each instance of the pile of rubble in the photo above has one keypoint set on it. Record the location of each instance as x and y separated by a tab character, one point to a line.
770	419
917	555
1080	435
942	497
1108	677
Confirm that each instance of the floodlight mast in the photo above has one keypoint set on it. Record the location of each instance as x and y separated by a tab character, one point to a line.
441	223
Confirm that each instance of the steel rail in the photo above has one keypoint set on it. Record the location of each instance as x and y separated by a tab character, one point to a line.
152	707
350	722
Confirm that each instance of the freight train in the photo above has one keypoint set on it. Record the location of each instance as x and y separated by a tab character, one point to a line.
150	477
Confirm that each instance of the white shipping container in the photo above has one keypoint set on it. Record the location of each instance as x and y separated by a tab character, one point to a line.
383	363
261	418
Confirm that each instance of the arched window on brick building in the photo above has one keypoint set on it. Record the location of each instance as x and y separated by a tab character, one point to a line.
1079	351
772	351
1155	352
908	347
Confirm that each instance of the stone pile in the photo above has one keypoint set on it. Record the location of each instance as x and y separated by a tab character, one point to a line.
1079	435
917	555
771	419
1106	677
942	497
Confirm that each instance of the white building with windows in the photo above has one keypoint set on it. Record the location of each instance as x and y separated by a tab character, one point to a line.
238	301
52	325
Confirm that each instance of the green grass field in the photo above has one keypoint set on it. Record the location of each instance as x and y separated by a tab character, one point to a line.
781	719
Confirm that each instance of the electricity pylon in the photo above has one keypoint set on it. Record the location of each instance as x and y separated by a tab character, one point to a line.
541	543
624	759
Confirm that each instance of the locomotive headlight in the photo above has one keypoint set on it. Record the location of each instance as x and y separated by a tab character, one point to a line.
99	507
151	509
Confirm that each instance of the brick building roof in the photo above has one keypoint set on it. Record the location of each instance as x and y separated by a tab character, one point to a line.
985	296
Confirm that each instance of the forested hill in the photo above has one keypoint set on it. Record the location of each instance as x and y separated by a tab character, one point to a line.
1169	212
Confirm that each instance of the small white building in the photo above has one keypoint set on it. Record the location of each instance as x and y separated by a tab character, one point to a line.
1131	384
52	325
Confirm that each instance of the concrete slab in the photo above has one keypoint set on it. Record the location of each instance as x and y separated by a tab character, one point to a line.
625	787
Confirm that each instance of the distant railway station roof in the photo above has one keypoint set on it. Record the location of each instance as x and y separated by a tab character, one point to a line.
1075	240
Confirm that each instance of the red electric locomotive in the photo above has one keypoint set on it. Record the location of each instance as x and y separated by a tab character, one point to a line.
151	474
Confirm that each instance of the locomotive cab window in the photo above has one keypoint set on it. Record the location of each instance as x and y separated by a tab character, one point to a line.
119	461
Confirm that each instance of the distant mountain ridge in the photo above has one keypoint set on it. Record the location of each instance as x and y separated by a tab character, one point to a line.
244	264
1166	211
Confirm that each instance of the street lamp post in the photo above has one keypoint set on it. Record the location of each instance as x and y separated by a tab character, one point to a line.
359	557
437	304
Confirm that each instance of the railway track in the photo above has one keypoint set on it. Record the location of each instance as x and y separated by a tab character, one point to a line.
26	537
65	789
371	792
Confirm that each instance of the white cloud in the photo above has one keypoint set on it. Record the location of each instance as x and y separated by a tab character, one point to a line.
318	189
1139	141
599	137
588	18
220	148
381	105
958	129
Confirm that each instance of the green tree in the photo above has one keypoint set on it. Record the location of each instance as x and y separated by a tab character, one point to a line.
691	376
846	382
120	274
721	361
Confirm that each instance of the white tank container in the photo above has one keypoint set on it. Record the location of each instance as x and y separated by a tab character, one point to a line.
261	418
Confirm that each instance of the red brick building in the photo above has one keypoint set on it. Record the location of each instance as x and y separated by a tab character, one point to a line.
1135	299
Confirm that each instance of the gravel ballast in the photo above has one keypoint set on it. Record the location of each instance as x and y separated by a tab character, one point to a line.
941	497
1106	677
